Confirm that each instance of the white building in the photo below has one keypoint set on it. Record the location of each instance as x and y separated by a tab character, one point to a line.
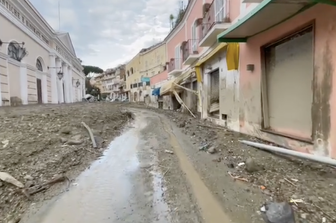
49	73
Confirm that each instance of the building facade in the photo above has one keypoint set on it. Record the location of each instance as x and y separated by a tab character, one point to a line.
38	64
264	68
148	65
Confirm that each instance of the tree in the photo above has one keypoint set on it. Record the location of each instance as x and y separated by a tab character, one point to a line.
92	69
171	19
179	16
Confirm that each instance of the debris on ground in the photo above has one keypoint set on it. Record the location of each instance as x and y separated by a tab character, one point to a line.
169	151
283	178
41	145
278	213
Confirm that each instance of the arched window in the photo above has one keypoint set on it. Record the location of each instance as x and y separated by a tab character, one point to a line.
131	70
13	50
39	66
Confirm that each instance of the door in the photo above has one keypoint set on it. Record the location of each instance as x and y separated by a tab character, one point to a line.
39	90
289	76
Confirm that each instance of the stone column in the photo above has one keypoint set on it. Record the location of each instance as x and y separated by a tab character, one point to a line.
24	84
72	85
66	83
59	82
53	79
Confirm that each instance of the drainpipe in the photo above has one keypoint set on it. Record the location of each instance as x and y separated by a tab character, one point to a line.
320	159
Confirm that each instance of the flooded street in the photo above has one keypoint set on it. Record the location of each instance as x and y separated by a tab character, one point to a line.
116	188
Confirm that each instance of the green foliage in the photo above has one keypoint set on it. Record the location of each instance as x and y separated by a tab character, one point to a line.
92	69
179	17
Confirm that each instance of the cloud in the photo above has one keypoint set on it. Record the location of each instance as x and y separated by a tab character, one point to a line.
106	33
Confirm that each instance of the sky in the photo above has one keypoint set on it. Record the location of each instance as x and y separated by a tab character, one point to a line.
106	33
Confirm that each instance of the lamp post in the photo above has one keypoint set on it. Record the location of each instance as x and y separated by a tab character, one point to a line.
77	83
59	73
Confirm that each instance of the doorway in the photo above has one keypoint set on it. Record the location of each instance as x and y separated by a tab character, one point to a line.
39	90
288	80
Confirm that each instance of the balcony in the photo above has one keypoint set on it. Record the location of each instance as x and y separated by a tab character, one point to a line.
190	51
215	21
174	67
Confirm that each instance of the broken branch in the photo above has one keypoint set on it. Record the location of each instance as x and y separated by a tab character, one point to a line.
94	144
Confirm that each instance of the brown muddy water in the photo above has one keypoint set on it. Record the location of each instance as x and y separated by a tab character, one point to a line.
122	186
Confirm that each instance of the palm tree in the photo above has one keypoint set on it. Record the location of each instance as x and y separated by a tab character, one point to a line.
171	18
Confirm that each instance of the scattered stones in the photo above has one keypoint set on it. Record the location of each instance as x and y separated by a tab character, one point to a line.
28	178
250	165
76	137
212	150
182	124
63	140
75	142
65	131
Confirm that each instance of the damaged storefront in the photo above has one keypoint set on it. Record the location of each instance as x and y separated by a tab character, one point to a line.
220	85
182	93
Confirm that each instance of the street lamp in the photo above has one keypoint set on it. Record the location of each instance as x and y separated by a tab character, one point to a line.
77	83
59	73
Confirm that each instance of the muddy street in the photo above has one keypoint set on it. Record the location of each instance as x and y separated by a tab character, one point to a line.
126	184
151	166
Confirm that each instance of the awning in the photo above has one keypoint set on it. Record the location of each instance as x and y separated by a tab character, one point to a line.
166	87
266	15
169	86
211	54
156	91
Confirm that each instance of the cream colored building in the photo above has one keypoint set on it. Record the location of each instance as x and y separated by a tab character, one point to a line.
146	64
49	72
133	78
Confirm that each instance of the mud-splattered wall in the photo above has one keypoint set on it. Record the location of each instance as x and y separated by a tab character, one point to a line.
324	96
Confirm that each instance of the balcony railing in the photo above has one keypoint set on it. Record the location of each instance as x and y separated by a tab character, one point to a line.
217	13
190	48
174	64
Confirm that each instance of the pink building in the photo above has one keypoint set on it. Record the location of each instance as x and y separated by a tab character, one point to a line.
287	56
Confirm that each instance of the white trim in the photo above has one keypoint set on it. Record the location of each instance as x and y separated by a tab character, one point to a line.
14	62
43	25
3	56
185	17
53	35
8	81
24	84
17	23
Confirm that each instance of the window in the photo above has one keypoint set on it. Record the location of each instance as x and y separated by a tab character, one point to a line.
219	10
39	65
194	37
131	70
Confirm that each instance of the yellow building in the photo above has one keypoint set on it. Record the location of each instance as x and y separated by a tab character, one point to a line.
133	77
153	60
146	64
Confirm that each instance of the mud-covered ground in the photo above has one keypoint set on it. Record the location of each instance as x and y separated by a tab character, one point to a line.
218	156
41	143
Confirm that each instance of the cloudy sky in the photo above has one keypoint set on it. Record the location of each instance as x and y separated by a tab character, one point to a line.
106	33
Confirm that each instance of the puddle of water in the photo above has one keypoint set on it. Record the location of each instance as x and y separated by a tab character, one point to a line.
111	189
